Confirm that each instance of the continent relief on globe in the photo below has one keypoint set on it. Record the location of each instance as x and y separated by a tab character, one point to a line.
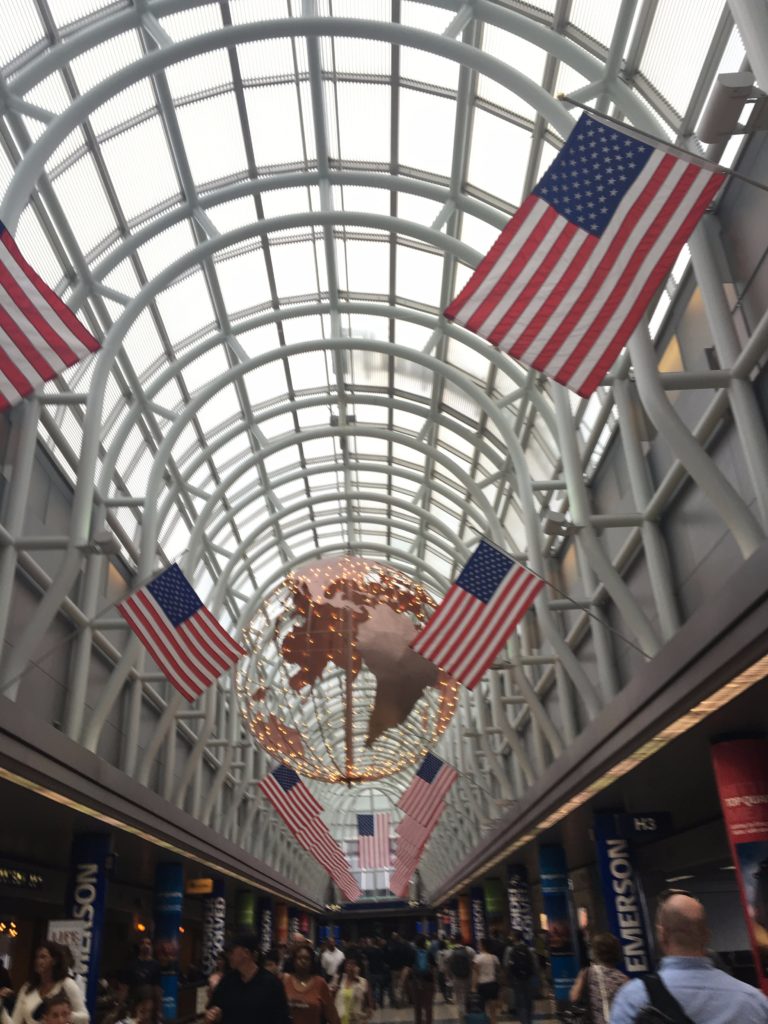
401	674
325	637
354	633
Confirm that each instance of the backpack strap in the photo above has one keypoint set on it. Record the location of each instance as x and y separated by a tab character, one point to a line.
663	1000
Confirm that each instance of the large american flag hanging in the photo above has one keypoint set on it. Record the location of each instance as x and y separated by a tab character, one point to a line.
39	334
478	613
571	274
424	797
373	841
184	639
300	811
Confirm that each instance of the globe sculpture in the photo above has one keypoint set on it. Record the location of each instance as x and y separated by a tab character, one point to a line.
331	687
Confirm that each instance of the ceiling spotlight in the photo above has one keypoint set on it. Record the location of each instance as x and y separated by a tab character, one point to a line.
730	93
557	525
104	542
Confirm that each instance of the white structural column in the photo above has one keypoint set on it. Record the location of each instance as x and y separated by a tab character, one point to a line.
751	17
633	615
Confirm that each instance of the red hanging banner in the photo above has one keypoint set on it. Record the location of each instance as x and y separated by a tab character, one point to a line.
741	771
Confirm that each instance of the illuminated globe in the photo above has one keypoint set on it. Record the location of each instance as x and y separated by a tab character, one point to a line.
331	687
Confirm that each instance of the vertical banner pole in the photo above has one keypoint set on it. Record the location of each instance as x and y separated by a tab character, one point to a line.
556	899
86	899
741	771
169	895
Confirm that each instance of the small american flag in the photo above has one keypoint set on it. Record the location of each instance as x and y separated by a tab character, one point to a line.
424	798
373	841
39	334
571	274
477	615
184	639
401	878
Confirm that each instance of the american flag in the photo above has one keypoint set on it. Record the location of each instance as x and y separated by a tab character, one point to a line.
290	797
401	877
571	274
39	334
412	835
373	841
317	841
301	812
184	639
424	797
480	610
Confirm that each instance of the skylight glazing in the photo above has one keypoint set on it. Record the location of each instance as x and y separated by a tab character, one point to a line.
280	178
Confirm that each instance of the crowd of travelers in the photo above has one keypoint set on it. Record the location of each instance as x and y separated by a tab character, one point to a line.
295	984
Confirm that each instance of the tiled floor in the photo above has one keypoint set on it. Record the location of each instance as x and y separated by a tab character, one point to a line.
446	1012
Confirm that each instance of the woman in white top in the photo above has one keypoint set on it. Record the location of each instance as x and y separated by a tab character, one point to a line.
49	977
353	1000
485	980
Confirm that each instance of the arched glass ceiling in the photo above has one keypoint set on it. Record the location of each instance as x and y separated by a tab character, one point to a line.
263	205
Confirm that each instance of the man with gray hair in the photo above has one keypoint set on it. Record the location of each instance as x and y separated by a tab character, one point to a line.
692	988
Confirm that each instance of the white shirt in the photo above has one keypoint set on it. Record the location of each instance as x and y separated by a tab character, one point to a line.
486	965
331	960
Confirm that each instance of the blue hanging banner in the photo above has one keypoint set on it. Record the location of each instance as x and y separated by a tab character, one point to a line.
557	906
477	914
86	898
169	896
519	901
294	919
621	893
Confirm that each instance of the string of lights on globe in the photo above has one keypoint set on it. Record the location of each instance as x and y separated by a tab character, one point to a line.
331	687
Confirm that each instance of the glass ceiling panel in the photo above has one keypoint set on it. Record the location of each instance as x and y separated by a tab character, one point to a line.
678	41
426	132
243	279
520	54
498	157
419	275
273	114
362	112
597	20
140	185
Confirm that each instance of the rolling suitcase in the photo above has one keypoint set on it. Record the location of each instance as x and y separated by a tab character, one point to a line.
475	1014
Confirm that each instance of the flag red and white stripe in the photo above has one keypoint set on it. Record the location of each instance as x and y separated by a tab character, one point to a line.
301	812
373	841
39	334
562	289
423	800
184	639
472	624
296	807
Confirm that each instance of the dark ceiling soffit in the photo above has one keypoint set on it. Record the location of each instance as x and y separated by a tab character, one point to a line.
36	751
720	640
